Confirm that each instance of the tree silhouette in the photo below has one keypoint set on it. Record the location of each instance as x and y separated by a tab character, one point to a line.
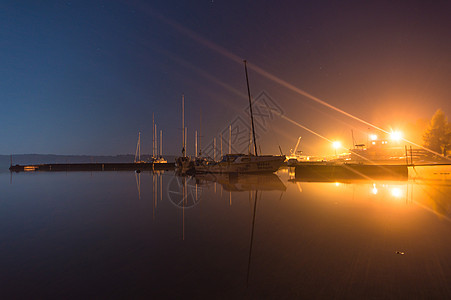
437	136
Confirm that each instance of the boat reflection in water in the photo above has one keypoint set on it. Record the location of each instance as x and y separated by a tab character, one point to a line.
243	182
254	184
186	191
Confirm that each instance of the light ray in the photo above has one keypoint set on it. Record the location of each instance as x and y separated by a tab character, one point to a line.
224	52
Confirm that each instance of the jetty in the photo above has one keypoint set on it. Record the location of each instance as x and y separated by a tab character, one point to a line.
139	166
331	171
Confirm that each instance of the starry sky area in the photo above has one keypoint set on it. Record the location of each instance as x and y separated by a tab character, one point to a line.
84	77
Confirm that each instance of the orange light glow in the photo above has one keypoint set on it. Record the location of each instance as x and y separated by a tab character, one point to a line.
374	189
396	192
396	136
336	145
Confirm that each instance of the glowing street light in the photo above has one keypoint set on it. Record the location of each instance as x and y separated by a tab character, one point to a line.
373	137
374	189
336	145
396	136
396	192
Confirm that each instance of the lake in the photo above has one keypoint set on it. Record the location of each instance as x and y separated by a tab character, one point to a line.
123	234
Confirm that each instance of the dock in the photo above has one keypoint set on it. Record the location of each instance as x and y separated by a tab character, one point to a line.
142	166
323	171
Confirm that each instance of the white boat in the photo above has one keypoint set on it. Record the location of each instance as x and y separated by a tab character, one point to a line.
241	163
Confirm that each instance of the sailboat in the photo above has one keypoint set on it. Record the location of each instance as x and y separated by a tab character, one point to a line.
183	163
243	163
138	151
157	156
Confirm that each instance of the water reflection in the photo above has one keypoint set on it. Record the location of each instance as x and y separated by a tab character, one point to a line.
186	192
243	182
428	187
153	232
251	237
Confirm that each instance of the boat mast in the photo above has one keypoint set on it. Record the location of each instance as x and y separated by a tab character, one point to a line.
161	142
153	135
214	149
138	149
250	108
183	125
186	136
156	140
220	137
200	135
230	139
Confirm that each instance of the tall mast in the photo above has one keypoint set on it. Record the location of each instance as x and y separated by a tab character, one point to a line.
220	137
156	140
230	139
161	142
195	142
200	134
250	142
186	134
183	125
138	149
214	149
250	108
153	135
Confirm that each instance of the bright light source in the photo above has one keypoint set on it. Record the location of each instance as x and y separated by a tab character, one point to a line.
336	144
396	136
396	192
373	137
374	189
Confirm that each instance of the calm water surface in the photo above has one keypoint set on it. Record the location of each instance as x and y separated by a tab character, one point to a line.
122	234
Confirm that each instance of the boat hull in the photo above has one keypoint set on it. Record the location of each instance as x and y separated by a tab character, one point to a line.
252	164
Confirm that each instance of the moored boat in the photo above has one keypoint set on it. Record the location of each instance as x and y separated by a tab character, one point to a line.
241	163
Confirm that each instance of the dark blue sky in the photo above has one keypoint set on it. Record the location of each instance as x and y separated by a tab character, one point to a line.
83	77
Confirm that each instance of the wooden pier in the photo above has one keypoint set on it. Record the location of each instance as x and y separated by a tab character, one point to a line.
93	167
335	171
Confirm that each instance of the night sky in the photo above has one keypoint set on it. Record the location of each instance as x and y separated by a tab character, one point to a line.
83	77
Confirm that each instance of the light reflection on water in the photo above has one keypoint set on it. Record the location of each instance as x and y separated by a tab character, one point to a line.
116	234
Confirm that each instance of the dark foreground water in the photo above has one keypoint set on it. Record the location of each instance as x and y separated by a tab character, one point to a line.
121	234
